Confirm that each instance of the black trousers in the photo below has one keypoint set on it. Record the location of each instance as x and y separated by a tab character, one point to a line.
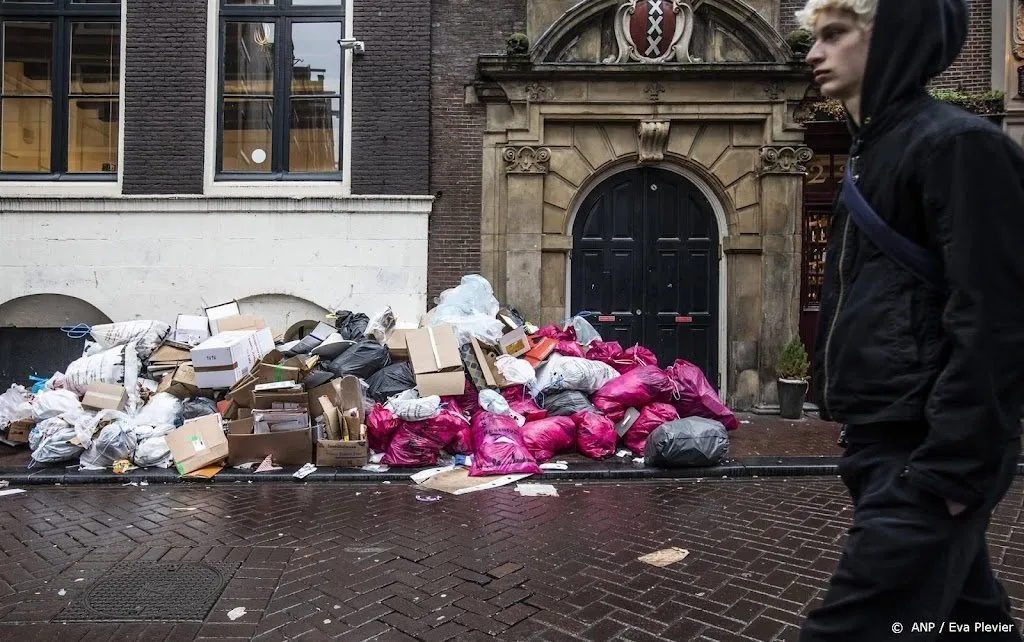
910	570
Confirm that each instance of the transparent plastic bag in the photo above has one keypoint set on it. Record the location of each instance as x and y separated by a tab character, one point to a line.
472	309
492	401
53	442
585	333
381	326
87	423
115	441
163	409
153	451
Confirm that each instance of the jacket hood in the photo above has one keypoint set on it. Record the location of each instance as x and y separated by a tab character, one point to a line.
912	42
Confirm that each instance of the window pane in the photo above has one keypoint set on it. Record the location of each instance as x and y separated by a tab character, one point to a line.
25	125
315	135
92	135
317	56
249	58
28	64
248	128
95	57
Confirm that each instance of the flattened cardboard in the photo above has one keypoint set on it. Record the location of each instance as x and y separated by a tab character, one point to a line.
240	427
444	384
18	431
333	420
267	373
167	353
180	383
488	366
105	396
434	349
240	322
290	448
341	454
241	392
198	443
266	400
244	413
331	390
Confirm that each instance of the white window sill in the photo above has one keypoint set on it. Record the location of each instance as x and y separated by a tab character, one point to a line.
63	189
277	189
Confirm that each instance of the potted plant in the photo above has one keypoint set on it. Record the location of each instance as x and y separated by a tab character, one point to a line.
792	373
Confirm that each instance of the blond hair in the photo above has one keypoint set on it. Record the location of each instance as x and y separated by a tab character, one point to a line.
864	10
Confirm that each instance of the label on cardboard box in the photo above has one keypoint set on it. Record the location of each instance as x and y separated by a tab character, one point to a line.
515	343
341	454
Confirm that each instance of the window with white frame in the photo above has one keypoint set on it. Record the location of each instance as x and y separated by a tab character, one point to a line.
59	94
280	89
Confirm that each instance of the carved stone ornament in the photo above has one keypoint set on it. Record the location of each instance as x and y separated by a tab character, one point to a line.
653	136
1018	29
654	91
653	31
538	93
526	160
773	90
785	160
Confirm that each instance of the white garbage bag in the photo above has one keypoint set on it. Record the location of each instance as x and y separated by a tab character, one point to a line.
88	423
572	373
516	371
148	335
163	409
119	365
15	404
471	308
415	409
50	441
153	451
54	403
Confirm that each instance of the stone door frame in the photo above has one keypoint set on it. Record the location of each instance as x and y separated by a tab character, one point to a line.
721	224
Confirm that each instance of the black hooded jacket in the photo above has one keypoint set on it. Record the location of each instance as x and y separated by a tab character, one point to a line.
891	348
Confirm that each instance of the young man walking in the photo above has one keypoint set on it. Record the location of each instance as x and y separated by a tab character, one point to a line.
921	338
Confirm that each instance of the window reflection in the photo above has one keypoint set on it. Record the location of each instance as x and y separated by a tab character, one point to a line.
95	57
249	58
28	58
316	54
314	135
25	134
92	135
248	132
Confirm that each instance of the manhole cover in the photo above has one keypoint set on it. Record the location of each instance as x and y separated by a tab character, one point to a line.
144	591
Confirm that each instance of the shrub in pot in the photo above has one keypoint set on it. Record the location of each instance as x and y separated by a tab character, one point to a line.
792	379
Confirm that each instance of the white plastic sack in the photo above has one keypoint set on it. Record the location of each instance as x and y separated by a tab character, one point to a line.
54	403
163	409
115	441
492	401
516	371
148	335
415	409
15	404
585	333
471	308
572	373
118	365
52	441
153	452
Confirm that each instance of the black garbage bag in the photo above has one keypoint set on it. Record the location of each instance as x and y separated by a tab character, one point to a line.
566	403
690	442
363	360
392	380
351	325
318	376
197	407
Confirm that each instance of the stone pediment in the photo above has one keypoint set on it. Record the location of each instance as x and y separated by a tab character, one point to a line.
660	31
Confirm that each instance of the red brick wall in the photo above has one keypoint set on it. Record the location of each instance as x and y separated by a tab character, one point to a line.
461	31
972	70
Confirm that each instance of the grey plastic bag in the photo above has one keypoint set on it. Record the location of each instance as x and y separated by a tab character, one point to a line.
565	403
684	443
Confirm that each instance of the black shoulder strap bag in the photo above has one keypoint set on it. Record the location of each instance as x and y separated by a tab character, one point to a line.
900	249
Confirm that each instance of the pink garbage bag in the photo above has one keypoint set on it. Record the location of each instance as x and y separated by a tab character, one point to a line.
467	401
498	447
549	437
463	442
651	418
694	396
637	388
604	351
595	434
529	409
570	349
552	331
633	358
380	428
513	394
418	443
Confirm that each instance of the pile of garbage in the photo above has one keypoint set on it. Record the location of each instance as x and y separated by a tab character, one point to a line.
471	379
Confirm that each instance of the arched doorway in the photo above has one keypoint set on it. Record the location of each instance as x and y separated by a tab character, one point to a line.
645	257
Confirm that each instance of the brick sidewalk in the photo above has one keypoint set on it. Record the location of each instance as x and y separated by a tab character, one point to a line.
362	562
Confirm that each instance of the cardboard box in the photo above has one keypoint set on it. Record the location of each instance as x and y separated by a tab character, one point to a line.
515	343
487	362
436	362
224	359
168	353
181	382
191	330
397	346
289	448
241	392
221	311
198	443
240	322
18	431
266	400
331	390
105	396
341	454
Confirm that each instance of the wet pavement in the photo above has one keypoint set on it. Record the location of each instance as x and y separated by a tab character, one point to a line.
371	561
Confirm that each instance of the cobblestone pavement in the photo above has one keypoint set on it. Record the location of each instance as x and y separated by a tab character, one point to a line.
361	562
